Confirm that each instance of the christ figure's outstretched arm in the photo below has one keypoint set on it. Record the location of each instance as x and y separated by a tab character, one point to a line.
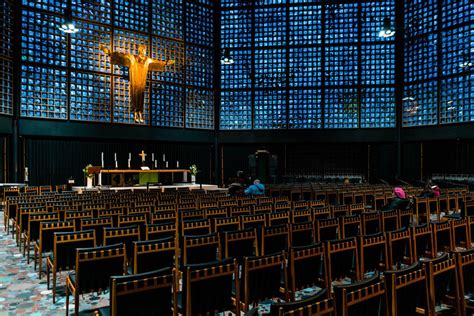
159	65
116	58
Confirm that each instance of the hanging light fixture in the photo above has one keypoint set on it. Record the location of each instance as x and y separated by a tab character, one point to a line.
68	25
387	30
226	59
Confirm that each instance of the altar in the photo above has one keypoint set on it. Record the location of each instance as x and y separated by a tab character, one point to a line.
127	177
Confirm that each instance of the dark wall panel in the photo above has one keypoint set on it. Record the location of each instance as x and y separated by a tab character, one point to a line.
53	161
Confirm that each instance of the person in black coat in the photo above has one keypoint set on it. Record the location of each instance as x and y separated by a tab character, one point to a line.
398	202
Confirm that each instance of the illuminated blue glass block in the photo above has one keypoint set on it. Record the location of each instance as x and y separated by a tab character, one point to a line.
341	108
373	15
131	14
270	68
270	26
457	99
420	104
42	41
47	5
341	65
235	110
165	49
236	28
199	108
200	66
167	18
420	17
378	107
421	58
378	64
305	67
457	12
6	30
90	97
98	11
341	22
305	109
167	105
270	109
305	25
458	49
43	92
238	74
6	86
199	24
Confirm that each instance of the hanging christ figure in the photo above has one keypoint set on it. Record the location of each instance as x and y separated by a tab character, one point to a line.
138	67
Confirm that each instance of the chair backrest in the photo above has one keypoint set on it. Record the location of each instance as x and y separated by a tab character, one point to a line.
370	223
261	278
407	290
239	244
263	208
326	229
76	216
207	288
323	307
389	220
252	221
47	230
160	230
95	266
275	239
442	238
373	253
149	293
366	297
113	213
277	218
195	227
349	226
220	225
307	268
342	259
153	255
460	233
126	235
340	210
240	210
422	236
200	249
216	212
98	225
163	217
321	212
302	234
301	216
399	248
465	270
405	217
65	244
35	221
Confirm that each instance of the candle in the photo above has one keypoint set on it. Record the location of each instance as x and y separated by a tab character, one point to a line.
156	164
177	164
128	163
164	158
102	159
116	164
115	156
26	174
129	156
167	164
152	156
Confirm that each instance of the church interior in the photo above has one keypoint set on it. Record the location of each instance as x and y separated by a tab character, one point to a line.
237	157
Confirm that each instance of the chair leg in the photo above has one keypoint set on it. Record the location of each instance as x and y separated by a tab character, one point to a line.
54	285
35	257
47	275
67	299
40	264
76	303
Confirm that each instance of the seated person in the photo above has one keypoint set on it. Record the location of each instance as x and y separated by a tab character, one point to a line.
398	202
436	191
256	188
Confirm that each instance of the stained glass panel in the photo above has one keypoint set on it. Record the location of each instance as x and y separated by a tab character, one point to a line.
235	110
305	109
341	108
199	108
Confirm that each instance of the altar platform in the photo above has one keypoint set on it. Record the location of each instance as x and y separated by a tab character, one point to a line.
162	188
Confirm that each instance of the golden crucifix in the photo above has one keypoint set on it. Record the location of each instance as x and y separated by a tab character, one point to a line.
143	155
138	65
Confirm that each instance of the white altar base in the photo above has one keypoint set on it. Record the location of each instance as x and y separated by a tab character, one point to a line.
206	187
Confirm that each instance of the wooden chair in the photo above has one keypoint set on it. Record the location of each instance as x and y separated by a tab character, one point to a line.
275	239
421	210
422	236
149	293
302	234
163	217
321	213
76	217
326	229
443	285
195	227
252	221
97	224
470	230
155	254
262	208
405	218
407	291
21	222
442	238
465	274
389	220
200	249
45	242
460	234
299	205
208	288
126	235
160	230
277	218
399	247
356	209
64	251
261	279
314	301
132	220
301	216
215	213
342	259
112	213
306	268
220	225
349	226
33	231
366	297
370	223
341	210
373	253
93	269
239	244
241	210
379	202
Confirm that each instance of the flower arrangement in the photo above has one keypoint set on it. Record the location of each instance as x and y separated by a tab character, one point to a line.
194	170
86	171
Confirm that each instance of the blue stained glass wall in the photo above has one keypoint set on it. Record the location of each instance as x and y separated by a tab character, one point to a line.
307	64
439	62
69	77
6	55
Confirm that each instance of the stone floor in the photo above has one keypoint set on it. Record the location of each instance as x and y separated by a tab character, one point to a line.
22	293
